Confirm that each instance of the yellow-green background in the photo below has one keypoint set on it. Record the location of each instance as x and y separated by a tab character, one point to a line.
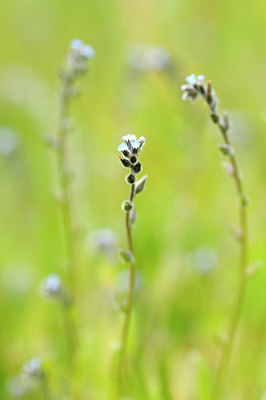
189	202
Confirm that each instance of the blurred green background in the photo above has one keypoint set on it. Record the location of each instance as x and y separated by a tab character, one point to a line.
186	255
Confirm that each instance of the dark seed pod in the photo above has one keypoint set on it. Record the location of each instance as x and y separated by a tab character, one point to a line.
136	168
124	162
130	179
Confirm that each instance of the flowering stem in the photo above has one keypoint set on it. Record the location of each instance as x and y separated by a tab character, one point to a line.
130	293
234	318
197	87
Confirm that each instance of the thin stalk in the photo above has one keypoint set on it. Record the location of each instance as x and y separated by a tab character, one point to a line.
66	212
130	293
46	393
63	173
243	237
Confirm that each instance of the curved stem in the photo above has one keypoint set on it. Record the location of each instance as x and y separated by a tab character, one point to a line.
130	293
234	318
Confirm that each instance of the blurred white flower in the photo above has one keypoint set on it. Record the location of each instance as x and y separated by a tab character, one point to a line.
33	368
8	141
205	259
52	286
104	241
144	57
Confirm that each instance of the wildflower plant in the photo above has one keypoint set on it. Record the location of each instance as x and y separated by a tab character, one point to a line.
195	88
130	151
76	64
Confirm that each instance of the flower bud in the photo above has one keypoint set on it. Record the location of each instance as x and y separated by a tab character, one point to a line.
133	159
124	162
215	117
127	205
136	168
130	179
226	149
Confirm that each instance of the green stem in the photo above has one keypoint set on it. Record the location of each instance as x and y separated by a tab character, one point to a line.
63	172
130	294
236	311
45	388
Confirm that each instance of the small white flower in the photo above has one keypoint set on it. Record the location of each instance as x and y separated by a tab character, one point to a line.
129	138
135	145
191	79
122	147
201	78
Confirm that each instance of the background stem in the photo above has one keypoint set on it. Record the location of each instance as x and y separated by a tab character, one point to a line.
236	310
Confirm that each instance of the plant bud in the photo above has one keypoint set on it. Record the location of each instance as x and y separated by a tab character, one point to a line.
133	159
130	179
125	153
124	162
215	117
127	205
226	149
136	168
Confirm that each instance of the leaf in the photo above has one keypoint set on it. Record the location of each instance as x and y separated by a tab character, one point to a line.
140	185
126	256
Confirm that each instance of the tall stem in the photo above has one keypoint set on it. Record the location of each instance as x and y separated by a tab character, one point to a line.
130	293
234	318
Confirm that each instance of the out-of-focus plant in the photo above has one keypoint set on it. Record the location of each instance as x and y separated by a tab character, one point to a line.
197	87
74	67
130	150
33	371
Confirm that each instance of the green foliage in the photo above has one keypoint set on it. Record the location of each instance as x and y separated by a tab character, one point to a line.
189	259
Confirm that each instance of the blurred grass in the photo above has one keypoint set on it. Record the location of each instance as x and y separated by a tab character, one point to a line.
189	202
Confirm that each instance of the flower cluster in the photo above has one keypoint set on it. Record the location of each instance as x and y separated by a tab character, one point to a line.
130	150
78	56
196	87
